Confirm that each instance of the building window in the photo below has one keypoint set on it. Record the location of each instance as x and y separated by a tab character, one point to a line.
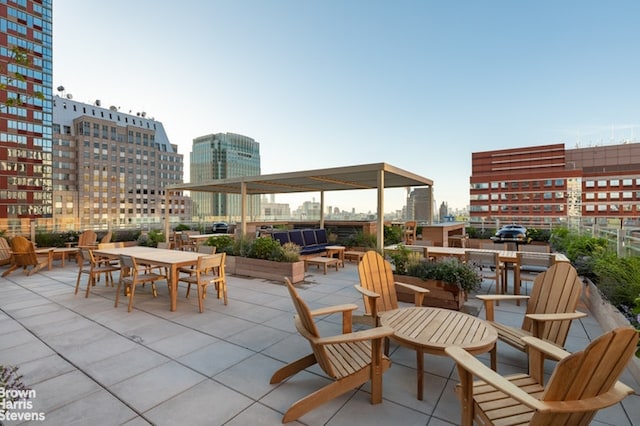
559	182
589	183
602	207
602	195
627	194
590	207
627	182
614	182
614	195
602	183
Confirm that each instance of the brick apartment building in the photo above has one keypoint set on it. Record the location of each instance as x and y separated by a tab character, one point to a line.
550	184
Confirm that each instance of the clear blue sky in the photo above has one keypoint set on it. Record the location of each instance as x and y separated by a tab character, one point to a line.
416	84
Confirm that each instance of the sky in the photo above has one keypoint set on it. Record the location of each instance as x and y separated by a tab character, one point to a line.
420	85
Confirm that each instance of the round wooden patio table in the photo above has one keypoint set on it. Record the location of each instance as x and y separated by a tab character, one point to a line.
431	330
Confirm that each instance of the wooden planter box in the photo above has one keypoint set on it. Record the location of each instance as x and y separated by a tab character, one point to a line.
441	294
267	269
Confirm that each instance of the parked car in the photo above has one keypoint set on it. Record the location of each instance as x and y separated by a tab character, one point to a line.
220	228
511	233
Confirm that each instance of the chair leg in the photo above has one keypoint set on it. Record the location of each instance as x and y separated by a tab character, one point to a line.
78	281
292	368
200	297
327	393
132	291
90	283
118	292
494	357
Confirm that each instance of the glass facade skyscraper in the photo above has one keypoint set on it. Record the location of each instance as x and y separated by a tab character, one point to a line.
223	156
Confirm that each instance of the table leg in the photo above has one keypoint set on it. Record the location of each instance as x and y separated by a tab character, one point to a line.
173	291
420	367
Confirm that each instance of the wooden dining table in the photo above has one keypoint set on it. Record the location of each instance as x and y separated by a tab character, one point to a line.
432	330
170	259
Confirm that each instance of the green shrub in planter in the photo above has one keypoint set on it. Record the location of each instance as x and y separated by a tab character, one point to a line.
451	271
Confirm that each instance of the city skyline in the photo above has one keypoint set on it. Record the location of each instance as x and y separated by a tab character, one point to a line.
419	85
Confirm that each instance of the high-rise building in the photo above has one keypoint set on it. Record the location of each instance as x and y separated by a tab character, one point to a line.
25	113
419	205
110	168
223	156
550	184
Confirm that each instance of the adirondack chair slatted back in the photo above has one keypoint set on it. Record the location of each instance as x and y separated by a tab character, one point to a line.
555	291
87	238
107	237
589	373
306	326
23	251
376	275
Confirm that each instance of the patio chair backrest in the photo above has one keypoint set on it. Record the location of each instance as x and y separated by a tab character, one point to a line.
588	374
23	251
321	236
306	326
282	237
376	275
554	291
309	237
482	259
295	236
87	238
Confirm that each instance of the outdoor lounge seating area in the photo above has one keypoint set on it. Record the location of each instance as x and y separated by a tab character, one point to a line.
91	363
311	241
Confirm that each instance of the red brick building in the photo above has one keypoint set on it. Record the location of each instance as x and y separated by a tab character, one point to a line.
550	184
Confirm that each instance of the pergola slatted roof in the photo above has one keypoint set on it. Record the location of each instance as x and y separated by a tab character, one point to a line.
378	176
333	179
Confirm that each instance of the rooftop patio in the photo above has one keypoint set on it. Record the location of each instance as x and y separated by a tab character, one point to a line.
91	363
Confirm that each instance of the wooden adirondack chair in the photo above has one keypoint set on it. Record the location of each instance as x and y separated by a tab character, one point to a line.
350	359
88	239
550	309
581	384
24	255
378	288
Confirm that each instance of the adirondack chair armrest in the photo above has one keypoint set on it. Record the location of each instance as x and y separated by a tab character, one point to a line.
556	317
367	293
547	348
474	367
500	297
348	307
489	300
369	334
618	392
418	292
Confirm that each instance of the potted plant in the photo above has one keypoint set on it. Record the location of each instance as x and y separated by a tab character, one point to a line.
265	258
448	281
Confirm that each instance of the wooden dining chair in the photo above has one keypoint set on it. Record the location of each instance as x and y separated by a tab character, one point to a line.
208	271
581	384
409	231
93	267
132	275
550	309
350	359
489	266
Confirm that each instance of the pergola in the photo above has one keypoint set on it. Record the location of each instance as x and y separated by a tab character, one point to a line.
378	176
